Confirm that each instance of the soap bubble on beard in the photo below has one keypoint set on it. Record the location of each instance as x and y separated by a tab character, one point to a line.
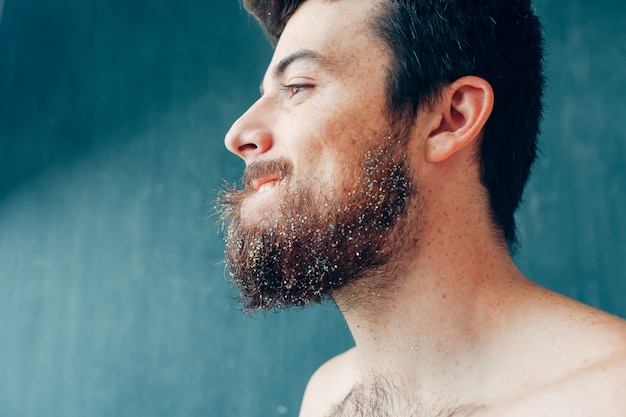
316	245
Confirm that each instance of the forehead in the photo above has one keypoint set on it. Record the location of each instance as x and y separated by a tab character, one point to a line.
338	30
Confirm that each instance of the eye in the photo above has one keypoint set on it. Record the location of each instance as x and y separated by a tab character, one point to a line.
293	89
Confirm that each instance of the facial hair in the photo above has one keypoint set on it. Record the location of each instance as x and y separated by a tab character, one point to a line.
314	245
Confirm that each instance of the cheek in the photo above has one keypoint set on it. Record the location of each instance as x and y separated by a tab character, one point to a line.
333	144
321	142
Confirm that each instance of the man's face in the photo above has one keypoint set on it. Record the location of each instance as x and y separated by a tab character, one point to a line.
326	172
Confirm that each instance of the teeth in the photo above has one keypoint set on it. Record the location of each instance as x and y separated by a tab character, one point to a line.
267	186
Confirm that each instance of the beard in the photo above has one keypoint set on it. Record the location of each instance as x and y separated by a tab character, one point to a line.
314	246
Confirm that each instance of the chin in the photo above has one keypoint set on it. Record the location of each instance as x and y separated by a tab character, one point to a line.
260	208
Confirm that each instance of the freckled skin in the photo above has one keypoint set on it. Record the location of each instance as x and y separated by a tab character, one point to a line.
347	170
391	221
316	246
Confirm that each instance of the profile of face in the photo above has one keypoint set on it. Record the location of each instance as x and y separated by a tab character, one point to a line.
327	183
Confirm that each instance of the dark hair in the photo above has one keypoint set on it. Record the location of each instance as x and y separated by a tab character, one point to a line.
435	42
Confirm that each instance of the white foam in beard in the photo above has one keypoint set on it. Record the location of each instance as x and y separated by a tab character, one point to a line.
317	245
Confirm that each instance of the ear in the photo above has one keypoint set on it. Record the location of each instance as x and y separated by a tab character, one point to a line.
462	112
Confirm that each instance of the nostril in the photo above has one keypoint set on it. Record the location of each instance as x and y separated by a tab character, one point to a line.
247	147
245	142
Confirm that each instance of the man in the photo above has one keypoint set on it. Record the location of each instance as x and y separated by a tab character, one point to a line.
385	159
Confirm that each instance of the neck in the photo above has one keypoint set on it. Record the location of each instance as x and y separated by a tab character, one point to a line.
438	320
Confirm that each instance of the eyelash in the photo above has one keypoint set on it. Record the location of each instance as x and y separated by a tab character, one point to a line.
293	89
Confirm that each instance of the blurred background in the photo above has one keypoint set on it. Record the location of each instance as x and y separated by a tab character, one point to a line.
113	296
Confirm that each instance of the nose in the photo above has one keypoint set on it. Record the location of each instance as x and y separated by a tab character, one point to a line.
249	136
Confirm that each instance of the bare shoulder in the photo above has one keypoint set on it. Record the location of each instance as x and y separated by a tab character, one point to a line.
579	366
582	334
330	384
596	390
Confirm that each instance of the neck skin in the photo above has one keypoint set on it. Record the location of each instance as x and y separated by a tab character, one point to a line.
437	327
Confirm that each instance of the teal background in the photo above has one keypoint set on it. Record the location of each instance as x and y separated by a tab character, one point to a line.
113	297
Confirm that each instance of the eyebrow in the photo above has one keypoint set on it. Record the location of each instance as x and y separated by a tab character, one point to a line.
300	55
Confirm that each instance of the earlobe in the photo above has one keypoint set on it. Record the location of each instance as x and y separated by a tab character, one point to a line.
463	110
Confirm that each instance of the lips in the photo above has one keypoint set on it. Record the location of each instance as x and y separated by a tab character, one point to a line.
264	184
263	176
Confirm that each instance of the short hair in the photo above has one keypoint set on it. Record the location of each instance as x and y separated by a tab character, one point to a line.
435	42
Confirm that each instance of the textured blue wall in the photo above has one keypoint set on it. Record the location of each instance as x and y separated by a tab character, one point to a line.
113	298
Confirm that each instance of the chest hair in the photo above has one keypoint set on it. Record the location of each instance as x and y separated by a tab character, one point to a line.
382	400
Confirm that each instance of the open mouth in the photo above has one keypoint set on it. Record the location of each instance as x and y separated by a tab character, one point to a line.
266	186
265	183
266	176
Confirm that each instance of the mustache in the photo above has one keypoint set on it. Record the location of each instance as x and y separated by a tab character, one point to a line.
278	167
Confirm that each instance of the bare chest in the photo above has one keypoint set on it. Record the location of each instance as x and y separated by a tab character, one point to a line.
379	401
